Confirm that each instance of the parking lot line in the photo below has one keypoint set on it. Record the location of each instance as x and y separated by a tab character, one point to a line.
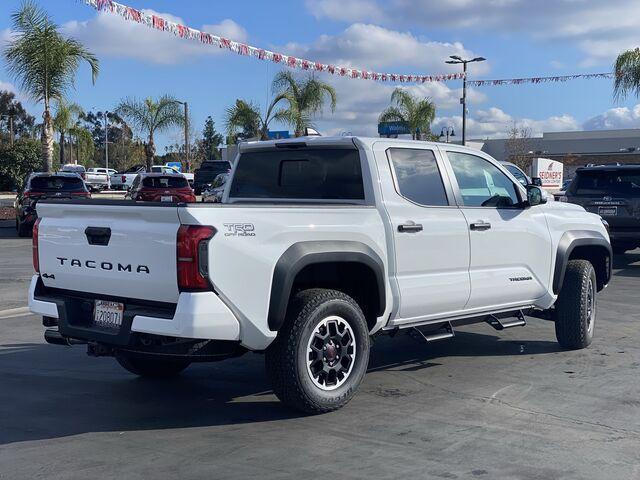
14	312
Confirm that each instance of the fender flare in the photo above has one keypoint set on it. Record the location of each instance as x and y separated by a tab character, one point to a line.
303	254
568	242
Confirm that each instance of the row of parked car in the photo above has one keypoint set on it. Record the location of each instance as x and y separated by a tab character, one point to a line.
162	184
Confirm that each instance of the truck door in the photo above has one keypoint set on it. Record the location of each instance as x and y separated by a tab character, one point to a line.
510	245
430	234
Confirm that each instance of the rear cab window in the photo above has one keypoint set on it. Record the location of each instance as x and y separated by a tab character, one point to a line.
323	174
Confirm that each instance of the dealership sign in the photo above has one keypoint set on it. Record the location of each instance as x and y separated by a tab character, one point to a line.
549	171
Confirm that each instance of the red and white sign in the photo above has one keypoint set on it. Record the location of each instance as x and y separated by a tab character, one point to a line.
549	171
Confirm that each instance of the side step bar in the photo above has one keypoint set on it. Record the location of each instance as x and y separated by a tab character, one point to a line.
444	333
503	323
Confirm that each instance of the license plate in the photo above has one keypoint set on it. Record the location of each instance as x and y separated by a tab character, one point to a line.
108	314
609	211
166	199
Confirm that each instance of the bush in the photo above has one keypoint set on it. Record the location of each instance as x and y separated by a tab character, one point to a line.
17	162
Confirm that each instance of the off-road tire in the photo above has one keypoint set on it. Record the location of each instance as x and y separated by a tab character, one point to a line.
574	325
286	358
151	366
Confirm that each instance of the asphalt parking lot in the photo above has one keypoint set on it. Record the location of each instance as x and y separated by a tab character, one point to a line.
485	405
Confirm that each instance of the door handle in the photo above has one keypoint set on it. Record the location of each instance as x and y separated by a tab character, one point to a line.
410	227
480	226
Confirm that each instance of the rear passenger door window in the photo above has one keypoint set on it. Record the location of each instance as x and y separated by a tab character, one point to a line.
417	176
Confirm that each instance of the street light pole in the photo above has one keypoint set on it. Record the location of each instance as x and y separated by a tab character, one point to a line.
455	61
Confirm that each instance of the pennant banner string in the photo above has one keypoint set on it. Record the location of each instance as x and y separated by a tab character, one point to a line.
536	80
159	23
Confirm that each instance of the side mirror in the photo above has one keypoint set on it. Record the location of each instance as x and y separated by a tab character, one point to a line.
537	181
535	196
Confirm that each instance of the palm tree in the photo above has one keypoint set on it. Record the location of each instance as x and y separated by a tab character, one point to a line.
246	117
627	73
151	116
417	113
45	63
66	118
308	98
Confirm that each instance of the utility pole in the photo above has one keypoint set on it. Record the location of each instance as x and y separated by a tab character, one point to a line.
187	147
458	60
106	146
11	129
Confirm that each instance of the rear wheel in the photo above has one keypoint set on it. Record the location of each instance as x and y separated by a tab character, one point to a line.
321	353
576	307
151	366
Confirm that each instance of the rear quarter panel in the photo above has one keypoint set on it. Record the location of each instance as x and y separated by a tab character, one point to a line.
251	239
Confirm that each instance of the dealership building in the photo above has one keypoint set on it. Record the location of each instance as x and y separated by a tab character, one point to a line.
573	149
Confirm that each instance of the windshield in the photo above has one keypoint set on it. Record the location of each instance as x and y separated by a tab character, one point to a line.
56	184
624	183
173	181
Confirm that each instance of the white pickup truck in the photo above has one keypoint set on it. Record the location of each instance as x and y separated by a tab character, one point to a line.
97	178
319	244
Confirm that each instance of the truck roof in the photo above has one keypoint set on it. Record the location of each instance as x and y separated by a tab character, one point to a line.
337	141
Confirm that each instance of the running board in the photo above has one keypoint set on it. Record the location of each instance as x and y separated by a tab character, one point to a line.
444	333
501	324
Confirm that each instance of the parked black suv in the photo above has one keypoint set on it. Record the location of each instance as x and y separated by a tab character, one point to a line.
39	186
207	172
613	192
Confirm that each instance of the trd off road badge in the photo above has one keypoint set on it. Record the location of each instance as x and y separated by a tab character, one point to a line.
239	230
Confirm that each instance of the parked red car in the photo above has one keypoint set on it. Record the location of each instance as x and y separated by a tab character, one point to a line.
161	187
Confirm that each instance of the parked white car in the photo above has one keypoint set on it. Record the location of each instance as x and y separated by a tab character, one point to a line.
319	244
98	178
123	181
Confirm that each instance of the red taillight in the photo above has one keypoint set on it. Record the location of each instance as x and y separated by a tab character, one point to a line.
192	257
34	247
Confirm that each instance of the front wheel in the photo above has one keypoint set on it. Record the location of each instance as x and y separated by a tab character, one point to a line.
321	353
575	312
150	366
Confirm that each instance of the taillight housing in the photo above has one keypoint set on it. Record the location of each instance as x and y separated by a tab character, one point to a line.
34	247
192	262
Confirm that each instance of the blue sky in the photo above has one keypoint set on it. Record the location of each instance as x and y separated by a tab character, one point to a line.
518	37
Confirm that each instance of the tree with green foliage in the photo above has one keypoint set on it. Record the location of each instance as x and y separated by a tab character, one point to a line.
45	63
306	97
627	74
151	116
211	139
244	120
18	161
14	119
66	117
418	113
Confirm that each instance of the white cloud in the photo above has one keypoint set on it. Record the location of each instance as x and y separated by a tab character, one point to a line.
495	123
600	29
360	103
111	35
615	118
373	47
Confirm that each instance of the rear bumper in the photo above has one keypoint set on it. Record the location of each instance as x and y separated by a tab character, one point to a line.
198	315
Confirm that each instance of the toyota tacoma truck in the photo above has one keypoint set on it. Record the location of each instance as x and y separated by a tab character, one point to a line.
319	244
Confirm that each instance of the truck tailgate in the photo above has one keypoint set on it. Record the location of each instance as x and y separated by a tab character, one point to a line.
111	250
